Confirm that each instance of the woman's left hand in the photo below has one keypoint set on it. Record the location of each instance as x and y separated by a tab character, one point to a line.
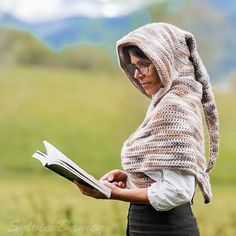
91	192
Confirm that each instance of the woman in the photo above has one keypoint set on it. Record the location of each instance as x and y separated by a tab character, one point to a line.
164	159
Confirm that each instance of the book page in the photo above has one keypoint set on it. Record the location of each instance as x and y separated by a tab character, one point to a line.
41	157
71	174
55	157
54	154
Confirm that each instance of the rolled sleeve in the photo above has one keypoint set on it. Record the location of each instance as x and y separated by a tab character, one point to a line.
171	190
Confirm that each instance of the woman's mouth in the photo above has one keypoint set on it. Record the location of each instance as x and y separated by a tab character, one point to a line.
145	84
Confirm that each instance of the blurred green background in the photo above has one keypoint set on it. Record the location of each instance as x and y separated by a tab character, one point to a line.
78	99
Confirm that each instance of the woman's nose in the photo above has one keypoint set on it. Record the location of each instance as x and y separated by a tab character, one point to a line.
137	74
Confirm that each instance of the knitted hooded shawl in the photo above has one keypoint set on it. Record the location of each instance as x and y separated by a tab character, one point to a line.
171	135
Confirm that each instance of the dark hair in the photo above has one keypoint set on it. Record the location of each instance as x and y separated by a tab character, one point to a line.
135	51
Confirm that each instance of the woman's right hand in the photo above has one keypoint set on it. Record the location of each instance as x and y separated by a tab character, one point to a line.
116	177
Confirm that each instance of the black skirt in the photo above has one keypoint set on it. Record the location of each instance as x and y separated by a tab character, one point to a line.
145	220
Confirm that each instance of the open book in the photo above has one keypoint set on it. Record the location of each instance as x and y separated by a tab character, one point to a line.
62	165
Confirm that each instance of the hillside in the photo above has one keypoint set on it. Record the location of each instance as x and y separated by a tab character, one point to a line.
212	22
74	30
19	47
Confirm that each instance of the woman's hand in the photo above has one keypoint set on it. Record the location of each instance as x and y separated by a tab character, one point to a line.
116	177
116	181
92	192
138	195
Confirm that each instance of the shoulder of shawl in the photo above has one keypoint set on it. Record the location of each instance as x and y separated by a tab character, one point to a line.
175	108
171	102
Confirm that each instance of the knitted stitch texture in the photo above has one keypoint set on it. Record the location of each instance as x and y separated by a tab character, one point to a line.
171	135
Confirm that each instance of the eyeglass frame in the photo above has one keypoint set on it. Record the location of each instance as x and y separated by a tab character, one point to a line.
137	67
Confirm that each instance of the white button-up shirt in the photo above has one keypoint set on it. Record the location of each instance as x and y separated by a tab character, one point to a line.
170	190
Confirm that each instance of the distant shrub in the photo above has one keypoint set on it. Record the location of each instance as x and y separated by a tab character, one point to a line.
19	47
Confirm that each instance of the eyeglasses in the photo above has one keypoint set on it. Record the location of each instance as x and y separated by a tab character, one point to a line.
142	66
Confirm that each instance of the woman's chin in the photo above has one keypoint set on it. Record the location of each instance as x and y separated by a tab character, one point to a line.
151	92
148	93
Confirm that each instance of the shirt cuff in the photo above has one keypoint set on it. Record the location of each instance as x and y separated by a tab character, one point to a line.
167	194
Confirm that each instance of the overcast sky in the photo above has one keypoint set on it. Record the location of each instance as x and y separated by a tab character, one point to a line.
39	11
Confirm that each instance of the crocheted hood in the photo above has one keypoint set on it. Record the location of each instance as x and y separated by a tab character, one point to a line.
173	51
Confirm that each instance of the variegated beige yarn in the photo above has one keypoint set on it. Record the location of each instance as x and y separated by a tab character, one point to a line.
171	135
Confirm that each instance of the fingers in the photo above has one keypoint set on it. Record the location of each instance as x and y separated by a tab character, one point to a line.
81	187
109	176
91	192
114	175
84	189
121	184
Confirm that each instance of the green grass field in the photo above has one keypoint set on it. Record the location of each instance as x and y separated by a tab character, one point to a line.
87	115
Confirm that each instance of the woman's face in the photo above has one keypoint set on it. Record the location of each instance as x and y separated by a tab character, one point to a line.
150	81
